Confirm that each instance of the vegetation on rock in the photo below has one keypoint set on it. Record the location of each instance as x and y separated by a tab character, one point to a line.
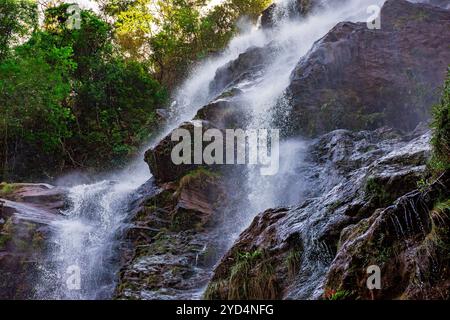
441	131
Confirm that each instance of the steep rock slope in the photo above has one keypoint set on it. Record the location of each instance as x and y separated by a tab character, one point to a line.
287	252
294	247
356	78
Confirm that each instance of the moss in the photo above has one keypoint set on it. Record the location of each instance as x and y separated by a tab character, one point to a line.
200	175
4	239
152	281
7	188
8	227
376	193
384	255
185	220
423	184
332	207
38	240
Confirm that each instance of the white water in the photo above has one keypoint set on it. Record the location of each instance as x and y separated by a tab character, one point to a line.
87	237
292	39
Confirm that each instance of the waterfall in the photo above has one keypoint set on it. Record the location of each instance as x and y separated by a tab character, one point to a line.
292	38
87	237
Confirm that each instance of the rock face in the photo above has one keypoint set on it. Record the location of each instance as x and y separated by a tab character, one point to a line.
25	215
160	160
353	78
286	252
246	68
292	9
172	240
408	242
356	78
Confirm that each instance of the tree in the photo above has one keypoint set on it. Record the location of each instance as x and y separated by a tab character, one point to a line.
18	18
174	34
68	98
33	88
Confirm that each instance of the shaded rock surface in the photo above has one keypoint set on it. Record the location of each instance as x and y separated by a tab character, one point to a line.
359	172
356	78
408	241
353	78
290	9
172	240
26	213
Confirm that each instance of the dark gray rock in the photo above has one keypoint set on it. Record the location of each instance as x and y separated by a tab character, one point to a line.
354	173
356	78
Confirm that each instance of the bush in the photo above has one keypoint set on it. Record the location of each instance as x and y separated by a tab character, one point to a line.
440	160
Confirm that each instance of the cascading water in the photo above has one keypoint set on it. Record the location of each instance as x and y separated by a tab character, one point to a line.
87	237
291	39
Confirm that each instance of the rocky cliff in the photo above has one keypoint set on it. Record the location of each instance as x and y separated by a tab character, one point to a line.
359	101
363	207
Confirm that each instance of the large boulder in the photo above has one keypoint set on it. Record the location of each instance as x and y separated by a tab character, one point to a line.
356	78
160	159
247	67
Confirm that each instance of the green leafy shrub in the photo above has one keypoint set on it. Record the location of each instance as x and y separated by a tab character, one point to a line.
69	99
440	160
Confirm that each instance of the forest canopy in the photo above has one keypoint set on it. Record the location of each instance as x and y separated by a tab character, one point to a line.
87	96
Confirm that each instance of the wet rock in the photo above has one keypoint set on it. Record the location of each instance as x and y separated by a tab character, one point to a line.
354	170
439	3
44	196
160	160
25	214
356	78
244	69
408	241
292	9
223	114
257	267
172	240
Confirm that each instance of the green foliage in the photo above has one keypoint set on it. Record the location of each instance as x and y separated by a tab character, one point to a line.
335	295
87	97
293	262
67	96
199	176
440	160
173	34
6	189
18	18
252	276
376	192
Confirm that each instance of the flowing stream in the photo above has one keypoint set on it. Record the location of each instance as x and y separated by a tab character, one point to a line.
87	238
